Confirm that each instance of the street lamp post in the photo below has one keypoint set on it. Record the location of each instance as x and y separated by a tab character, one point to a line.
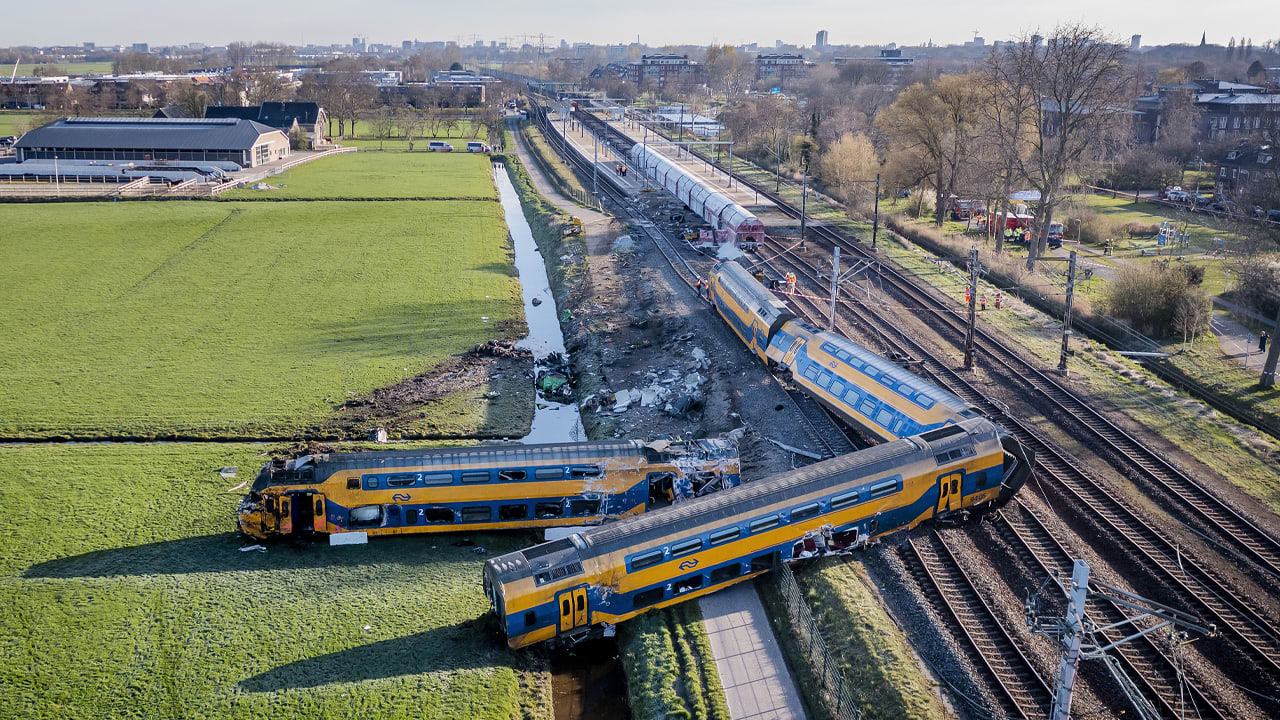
56	186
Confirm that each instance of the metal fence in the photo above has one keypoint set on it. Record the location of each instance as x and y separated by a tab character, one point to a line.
826	669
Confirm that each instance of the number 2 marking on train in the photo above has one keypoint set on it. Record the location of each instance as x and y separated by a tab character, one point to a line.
400	497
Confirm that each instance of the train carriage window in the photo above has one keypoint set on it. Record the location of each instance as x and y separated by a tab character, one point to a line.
438	479
852	396
884	487
584	471
367	516
942	432
844	500
530	618
411	516
897	426
548	510
644	560
766	523
584	507
761	563
811	372
720	537
884	418
511	475
353	483
837	388
401	480
648	597
681	549
804	512
868	407
728	572
825	380
439	515
684	585
871	372
371	482
475	477
513	512
477	514
393	514
548	473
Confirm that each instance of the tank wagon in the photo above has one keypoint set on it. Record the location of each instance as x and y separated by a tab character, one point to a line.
731	222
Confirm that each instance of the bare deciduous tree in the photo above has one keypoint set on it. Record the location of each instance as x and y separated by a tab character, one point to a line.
847	165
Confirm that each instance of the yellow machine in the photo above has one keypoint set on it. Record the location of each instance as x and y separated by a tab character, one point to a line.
574	226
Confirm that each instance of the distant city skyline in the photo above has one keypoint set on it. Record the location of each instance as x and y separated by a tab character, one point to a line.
161	22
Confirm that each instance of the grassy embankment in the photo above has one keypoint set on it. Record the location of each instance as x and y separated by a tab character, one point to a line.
875	659
250	319
128	597
671	672
552	165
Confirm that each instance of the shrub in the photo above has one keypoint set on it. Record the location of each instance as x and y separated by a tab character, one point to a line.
1148	297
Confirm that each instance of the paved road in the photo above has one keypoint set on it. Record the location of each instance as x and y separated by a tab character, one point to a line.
754	675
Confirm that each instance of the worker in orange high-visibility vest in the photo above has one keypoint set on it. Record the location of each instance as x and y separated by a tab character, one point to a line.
791	282
999	299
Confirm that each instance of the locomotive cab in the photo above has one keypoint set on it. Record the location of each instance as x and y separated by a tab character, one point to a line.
274	508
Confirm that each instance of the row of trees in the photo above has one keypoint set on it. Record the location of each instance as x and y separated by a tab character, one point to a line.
413	123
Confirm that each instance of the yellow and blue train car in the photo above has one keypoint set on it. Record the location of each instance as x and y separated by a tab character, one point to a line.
754	313
488	487
864	389
587	583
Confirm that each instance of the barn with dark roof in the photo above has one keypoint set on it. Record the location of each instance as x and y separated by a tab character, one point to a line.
156	140
308	117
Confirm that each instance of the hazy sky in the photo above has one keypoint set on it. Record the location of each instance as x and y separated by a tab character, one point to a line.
162	22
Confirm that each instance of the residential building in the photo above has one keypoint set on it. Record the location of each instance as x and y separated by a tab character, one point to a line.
1243	167
289	117
664	70
778	69
1226	109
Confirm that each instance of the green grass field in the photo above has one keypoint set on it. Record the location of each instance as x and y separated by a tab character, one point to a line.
70	68
363	137
232	319
127	597
364	175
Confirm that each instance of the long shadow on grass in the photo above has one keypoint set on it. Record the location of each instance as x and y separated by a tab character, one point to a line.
394	329
221	553
453	647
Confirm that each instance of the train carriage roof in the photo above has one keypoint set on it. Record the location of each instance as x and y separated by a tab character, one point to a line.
551	453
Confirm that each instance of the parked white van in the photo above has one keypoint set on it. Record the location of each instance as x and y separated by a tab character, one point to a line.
439	146
477	147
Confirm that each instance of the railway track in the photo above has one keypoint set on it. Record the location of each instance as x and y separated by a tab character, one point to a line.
1251	630
818	425
1145	661
1246	541
1023	693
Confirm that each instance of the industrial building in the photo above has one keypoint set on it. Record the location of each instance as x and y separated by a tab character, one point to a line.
289	117
155	140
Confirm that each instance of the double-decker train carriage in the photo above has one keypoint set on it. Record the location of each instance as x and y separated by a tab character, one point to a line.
592	580
488	487
869	392
732	222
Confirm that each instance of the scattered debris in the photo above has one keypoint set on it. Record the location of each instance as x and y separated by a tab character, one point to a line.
624	244
622	400
378	435
228	472
684	405
796	450
536	301
248	548
479	550
498	348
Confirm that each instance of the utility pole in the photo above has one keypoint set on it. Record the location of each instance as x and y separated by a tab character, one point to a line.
875	222
1273	353
777	183
835	286
804	202
973	308
595	165
1074	636
1066	315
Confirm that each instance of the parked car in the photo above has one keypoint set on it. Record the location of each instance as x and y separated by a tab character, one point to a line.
1176	195
1226	207
475	147
1168	190
1055	235
1273	216
439	146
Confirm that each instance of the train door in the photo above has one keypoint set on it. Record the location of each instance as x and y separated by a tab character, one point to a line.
306	511
949	492
573	608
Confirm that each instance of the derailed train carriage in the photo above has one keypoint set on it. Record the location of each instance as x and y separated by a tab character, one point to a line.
866	390
569	589
731	222
487	487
